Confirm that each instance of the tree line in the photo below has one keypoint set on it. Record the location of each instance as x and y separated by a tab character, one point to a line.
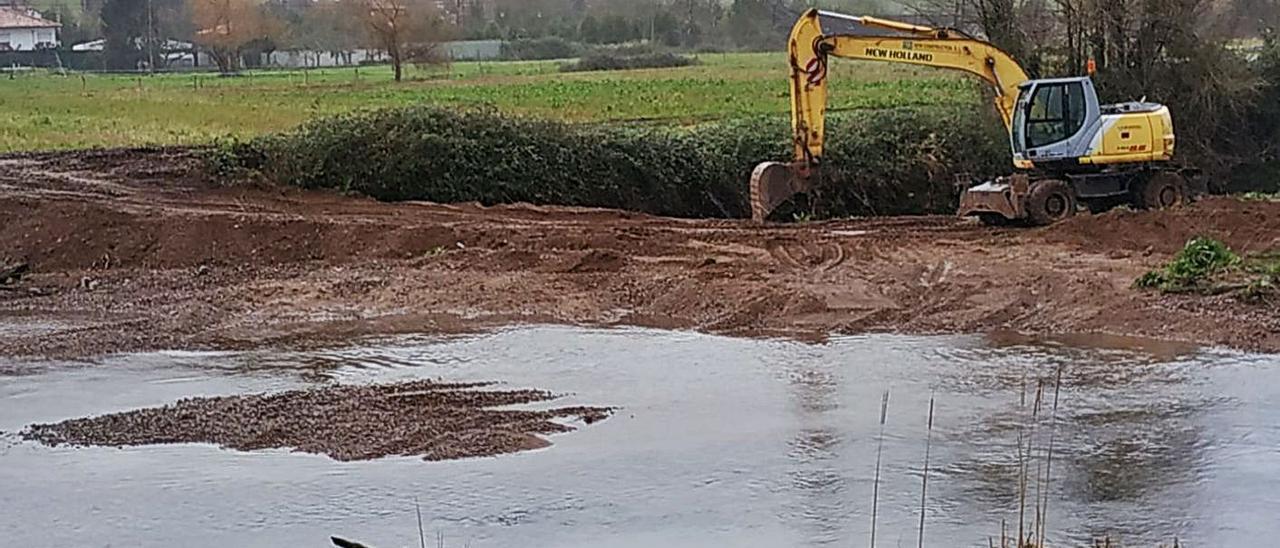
141	33
233	33
1215	63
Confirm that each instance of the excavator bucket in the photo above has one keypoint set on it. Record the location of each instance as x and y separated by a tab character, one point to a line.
773	183
994	200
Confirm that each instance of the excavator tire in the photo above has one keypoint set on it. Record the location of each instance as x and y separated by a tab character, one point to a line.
1162	191
1050	201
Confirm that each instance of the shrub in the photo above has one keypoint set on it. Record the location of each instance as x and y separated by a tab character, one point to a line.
1199	259
1192	267
1257	196
1266	284
427	54
228	158
629	49
878	162
538	49
604	60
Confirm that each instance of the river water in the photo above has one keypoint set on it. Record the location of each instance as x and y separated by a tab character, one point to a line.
719	441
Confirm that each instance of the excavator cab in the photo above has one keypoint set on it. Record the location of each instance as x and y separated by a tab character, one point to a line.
1058	123
1069	149
1052	120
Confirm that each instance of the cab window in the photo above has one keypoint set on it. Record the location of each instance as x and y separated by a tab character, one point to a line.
1055	113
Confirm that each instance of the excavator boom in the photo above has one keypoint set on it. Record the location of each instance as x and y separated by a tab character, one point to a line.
819	35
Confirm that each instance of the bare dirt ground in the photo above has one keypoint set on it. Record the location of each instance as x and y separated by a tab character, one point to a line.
436	421
133	250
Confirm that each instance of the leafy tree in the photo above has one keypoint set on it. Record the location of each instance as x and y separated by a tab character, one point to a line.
124	23
589	30
666	29
326	27
753	24
615	29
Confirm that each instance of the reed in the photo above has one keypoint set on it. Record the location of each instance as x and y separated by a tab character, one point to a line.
875	492
924	481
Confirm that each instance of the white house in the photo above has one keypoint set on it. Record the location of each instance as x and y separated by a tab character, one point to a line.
24	30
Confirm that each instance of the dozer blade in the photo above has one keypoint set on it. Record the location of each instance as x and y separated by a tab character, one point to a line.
772	184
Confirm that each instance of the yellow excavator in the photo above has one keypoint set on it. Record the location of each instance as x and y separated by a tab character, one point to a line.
1067	148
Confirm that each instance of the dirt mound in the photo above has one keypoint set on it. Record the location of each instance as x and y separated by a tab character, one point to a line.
437	421
1246	226
599	260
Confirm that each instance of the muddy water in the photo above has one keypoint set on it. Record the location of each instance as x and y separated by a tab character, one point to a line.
720	442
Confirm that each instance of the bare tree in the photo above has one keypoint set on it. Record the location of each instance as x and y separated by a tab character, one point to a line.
407	30
1019	27
225	27
329	28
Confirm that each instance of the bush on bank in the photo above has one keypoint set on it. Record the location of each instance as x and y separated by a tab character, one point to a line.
606	60
902	161
537	49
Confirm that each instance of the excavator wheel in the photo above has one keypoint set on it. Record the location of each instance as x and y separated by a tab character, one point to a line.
1162	191
1050	201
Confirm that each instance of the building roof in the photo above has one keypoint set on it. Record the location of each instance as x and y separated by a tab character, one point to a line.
14	18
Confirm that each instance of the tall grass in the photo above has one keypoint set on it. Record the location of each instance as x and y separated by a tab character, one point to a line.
924	476
875	493
1043	504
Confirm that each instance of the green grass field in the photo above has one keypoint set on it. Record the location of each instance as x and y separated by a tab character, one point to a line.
42	111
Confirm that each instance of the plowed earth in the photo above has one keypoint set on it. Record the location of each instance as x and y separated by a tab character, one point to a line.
134	250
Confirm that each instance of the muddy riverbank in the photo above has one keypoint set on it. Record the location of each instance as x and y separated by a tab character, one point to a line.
133	250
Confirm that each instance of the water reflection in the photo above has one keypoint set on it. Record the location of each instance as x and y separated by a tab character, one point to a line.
1130	434
1135	454
815	453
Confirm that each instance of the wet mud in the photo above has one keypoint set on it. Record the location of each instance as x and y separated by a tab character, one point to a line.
433	420
136	250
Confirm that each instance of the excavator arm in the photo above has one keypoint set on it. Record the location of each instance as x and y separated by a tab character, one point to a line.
820	35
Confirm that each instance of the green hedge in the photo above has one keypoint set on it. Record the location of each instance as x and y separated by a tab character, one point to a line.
536	49
604	60
878	162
